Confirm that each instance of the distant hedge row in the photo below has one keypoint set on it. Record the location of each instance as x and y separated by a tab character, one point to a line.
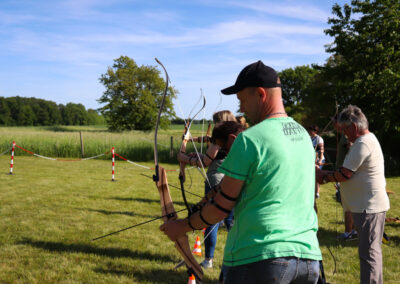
20	111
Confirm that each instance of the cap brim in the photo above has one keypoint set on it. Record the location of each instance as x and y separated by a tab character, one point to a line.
230	90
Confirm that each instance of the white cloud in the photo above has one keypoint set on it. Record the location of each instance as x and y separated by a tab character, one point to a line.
218	34
296	10
239	37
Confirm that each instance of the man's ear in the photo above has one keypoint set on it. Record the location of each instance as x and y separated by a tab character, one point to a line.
229	142
263	93
355	127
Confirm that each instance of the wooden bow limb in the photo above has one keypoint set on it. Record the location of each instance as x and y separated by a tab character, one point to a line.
168	210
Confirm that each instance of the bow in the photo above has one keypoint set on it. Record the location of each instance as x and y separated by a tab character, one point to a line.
337	142
167	207
186	137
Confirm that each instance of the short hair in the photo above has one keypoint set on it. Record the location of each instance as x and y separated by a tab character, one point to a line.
353	114
222	130
223	115
314	128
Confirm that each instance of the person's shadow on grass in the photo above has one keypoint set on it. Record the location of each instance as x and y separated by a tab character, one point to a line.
60	247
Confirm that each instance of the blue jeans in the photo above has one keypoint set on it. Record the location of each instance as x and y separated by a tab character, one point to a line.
276	270
212	232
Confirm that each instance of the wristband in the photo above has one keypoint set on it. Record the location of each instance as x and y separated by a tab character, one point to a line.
202	218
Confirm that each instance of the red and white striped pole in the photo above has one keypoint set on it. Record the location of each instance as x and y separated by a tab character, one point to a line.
12	158
113	163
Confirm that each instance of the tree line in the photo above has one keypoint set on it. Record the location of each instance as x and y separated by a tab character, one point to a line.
21	111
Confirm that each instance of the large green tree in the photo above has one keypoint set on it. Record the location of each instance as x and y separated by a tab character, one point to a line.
367	48
295	82
133	95
365	64
296	85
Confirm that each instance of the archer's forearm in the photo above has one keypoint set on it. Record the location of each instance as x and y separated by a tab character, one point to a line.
216	207
340	175
202	139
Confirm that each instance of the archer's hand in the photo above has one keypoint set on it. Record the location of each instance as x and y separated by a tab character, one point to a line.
174	229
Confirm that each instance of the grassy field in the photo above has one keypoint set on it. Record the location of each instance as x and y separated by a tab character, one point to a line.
51	210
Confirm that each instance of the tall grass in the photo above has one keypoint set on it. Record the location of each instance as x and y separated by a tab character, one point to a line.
64	141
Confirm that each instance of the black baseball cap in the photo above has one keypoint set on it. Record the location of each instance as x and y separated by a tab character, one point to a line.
254	75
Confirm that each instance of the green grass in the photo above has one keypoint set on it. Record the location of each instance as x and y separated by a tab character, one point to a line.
50	211
346	253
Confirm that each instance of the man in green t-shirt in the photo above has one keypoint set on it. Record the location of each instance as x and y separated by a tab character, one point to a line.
269	180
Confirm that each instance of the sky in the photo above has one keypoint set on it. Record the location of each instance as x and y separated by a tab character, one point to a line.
57	49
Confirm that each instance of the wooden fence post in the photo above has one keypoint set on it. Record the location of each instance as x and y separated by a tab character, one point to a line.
171	149
82	149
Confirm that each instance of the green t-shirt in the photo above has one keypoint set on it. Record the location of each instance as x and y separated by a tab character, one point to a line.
274	215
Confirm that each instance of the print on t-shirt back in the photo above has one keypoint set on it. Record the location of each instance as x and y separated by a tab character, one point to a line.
294	130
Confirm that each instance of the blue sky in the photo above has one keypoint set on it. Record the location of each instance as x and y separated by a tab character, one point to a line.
57	49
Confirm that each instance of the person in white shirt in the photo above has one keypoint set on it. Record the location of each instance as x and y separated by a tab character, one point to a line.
363	190
318	144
